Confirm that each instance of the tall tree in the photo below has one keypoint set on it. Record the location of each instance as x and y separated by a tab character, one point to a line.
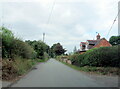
57	49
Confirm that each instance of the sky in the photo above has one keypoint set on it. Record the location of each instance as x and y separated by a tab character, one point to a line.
71	21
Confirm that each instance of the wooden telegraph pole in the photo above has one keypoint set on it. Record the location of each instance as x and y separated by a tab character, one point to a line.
43	37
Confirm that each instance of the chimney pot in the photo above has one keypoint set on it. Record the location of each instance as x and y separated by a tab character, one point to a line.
98	36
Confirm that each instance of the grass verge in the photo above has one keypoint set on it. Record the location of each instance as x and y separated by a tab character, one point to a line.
13	69
114	71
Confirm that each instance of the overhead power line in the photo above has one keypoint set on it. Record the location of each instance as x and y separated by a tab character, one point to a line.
53	5
49	17
113	23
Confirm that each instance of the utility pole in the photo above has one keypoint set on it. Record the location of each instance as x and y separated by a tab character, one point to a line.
43	37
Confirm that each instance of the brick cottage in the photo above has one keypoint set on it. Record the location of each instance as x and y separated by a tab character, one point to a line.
89	44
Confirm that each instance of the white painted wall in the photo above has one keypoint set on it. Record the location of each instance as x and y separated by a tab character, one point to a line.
86	45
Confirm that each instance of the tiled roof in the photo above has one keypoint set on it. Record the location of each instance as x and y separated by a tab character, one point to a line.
102	43
83	43
92	41
98	41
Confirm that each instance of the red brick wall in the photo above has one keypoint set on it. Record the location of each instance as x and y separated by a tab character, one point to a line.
103	43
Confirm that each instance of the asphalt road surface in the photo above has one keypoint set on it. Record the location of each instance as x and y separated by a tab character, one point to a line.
56	74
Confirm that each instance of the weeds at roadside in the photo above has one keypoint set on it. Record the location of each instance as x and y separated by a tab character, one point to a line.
18	67
96	70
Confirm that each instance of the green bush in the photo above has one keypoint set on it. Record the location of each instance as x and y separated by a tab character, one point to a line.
74	59
98	57
22	49
115	40
7	41
46	56
19	56
104	56
40	47
12	47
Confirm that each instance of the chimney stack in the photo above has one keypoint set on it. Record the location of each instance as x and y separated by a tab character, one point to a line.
98	36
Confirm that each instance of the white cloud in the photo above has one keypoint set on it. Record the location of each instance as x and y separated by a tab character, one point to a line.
71	22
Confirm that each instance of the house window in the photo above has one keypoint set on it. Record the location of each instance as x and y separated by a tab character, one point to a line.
83	47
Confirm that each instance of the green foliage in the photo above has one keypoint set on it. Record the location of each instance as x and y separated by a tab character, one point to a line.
104	56
73	57
57	49
20	48
61	57
115	40
12	47
98	57
7	35
46	56
19	56
7	40
40	47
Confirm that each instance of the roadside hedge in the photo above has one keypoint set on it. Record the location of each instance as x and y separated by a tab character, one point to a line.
12	46
98	57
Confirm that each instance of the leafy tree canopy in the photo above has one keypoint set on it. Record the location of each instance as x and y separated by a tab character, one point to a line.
40	47
12	46
115	40
57	49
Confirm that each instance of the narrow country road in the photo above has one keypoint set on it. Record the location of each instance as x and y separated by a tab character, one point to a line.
56	74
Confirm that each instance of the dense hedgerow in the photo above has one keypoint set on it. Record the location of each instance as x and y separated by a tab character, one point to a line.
99	57
22	49
74	58
12	47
